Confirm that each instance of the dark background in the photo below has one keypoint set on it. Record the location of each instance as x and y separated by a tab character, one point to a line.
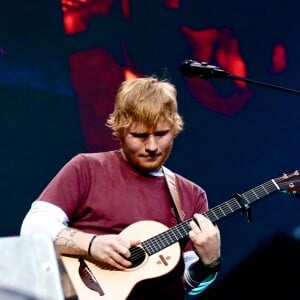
44	110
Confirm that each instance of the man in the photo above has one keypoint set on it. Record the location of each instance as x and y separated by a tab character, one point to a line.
95	196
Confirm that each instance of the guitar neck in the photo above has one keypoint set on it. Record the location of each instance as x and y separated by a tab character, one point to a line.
180	231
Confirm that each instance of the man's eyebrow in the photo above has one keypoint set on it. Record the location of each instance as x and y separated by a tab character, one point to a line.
138	132
147	132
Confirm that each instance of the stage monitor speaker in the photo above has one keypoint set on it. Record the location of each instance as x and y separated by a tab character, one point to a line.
272	270
31	269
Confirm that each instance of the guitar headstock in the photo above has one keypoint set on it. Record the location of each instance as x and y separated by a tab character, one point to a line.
290	183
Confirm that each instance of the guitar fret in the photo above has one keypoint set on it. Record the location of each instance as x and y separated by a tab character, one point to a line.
180	230
264	189
175	229
261	191
222	212
255	195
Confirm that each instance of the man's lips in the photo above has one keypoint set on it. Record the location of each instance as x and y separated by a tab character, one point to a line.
150	157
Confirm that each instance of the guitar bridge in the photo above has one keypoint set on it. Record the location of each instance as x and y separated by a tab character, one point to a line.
88	277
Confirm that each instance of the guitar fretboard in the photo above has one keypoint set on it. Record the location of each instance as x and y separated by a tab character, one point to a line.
180	231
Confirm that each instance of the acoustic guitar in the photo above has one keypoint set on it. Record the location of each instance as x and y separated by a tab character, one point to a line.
159	252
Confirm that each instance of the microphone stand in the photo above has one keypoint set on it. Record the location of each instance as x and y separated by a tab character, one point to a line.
263	84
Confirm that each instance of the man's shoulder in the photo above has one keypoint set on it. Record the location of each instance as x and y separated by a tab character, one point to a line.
94	158
183	180
97	155
186	180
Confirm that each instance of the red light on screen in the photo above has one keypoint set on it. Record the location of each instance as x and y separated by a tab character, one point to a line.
279	62
126	9
172	4
78	13
74	22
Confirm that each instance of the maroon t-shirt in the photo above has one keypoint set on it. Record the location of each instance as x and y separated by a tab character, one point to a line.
102	194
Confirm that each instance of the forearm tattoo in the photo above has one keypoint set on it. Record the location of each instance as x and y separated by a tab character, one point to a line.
67	241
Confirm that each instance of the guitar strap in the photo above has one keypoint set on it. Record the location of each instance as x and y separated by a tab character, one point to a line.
171	183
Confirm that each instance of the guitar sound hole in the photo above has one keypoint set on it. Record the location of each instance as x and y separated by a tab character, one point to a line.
137	256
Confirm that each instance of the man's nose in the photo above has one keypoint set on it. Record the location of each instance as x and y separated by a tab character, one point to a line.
151	143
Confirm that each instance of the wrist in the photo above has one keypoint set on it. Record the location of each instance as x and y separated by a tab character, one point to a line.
90	245
214	265
199	271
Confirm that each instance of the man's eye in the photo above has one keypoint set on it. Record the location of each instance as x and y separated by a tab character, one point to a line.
140	135
161	133
146	135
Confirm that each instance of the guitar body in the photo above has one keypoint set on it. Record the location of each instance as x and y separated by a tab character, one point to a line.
116	284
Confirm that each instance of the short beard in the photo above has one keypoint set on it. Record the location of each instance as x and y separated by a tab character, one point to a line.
145	168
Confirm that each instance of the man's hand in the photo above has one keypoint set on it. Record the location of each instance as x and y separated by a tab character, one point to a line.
205	237
113	250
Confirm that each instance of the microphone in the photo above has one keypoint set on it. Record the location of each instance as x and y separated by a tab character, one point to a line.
192	68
